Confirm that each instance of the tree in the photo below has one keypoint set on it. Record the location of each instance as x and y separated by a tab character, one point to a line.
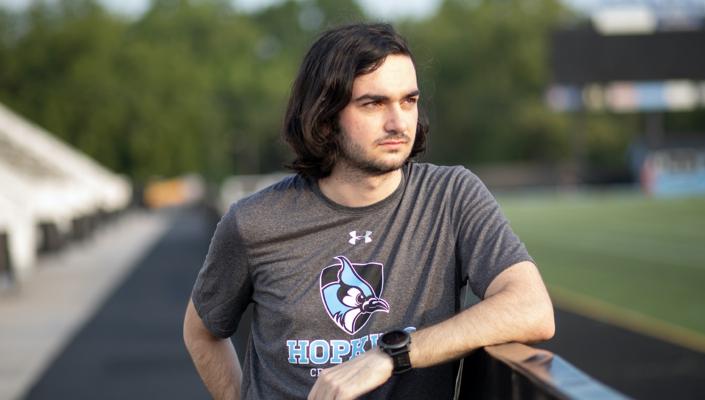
194	86
484	64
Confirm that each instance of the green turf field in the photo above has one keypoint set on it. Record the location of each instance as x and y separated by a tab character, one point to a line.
639	253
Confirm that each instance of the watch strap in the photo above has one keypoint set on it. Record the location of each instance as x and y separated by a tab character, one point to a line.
400	360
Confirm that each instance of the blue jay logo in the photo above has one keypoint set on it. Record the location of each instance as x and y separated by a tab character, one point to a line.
351	293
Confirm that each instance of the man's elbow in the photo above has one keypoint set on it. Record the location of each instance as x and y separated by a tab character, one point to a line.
547	329
545	324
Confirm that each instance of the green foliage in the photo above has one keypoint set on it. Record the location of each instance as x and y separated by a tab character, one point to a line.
193	85
486	64
607	138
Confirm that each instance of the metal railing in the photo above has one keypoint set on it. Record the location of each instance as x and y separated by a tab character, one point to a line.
516	371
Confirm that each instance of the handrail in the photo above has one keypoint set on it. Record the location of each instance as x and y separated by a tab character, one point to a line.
517	371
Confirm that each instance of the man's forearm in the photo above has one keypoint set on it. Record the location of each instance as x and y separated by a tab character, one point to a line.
514	310
215	359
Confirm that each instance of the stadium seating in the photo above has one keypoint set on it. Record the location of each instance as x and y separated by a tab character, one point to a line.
49	193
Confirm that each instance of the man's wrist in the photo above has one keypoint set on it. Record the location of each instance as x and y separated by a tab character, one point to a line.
396	344
385	362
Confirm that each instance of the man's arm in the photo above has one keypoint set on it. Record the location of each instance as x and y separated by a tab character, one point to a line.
516	308
214	357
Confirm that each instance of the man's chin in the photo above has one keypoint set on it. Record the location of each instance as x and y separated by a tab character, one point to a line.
376	165
377	169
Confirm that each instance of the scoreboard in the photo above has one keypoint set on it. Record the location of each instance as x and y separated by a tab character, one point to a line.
658	71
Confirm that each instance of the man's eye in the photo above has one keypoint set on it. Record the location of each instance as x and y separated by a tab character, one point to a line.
372	104
409	103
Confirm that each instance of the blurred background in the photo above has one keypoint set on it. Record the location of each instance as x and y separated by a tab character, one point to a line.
128	127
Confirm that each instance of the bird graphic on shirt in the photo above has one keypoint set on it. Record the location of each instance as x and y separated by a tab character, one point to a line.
350	300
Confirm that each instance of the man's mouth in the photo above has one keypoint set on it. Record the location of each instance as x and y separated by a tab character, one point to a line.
393	141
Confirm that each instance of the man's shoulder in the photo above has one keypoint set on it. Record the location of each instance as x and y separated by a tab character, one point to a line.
281	188
272	201
435	175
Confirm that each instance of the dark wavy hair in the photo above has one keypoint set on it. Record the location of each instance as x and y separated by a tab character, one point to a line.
323	88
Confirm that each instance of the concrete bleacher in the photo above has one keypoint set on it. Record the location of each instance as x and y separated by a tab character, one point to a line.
49	194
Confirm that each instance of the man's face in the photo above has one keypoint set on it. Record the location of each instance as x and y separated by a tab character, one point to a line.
378	126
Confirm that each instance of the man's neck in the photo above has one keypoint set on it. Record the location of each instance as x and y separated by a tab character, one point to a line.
359	190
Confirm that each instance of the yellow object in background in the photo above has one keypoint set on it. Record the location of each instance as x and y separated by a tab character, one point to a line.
174	192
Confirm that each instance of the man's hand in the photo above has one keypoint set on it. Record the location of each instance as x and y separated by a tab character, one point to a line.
353	378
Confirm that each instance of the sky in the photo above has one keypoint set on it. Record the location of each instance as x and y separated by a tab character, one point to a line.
383	9
391	9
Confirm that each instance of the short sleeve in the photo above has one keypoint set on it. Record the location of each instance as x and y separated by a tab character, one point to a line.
223	288
486	244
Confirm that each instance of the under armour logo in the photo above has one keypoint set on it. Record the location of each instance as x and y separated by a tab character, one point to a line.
354	237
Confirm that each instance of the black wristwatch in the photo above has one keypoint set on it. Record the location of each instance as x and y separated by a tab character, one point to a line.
396	344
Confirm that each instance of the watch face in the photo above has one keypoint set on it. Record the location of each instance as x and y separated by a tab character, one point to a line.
394	338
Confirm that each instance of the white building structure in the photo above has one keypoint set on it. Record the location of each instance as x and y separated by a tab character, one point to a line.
46	188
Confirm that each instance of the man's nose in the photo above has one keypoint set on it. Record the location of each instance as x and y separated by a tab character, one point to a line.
395	122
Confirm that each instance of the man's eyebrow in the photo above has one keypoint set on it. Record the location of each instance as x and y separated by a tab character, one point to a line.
377	97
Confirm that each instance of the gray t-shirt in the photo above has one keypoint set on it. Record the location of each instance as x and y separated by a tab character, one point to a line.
326	280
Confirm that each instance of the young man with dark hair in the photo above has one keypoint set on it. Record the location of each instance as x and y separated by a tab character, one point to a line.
353	265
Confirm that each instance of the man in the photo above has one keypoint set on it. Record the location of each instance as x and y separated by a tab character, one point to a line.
353	266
